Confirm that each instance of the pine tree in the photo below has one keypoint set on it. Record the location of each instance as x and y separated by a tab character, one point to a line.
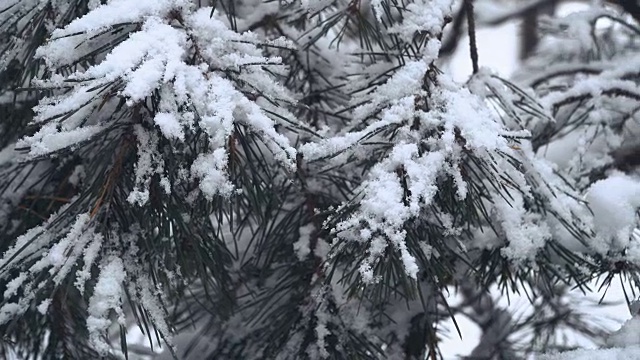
301	180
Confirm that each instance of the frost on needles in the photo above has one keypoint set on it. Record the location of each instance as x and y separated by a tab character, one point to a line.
296	179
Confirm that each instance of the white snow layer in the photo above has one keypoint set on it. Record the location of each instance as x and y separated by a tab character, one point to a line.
615	202
624	345
155	59
107	296
626	353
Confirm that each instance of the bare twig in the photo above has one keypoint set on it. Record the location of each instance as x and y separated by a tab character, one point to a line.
517	12
468	4
450	43
632	7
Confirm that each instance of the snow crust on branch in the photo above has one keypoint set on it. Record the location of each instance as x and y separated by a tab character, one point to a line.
423	16
385	205
156	58
617	353
107	296
457	124
622	344
615	202
58	258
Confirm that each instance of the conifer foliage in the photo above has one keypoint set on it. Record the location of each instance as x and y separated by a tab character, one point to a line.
298	179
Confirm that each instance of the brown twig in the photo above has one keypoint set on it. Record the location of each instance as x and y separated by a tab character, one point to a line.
47	197
23	207
112	177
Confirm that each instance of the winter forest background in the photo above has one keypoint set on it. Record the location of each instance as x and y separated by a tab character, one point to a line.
319	179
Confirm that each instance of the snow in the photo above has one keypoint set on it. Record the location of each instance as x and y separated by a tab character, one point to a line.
43	308
210	170
377	6
406	82
526	231
627	335
155	59
144	290
576	26
321	333
395	114
14	285
592	88
119	11
77	175
107	296
313	6
615	202
58	253
302	247
422	16
149	163
383	211
90	254
25	246
169	125
465	125
59	260
626	353
152	52
48	139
